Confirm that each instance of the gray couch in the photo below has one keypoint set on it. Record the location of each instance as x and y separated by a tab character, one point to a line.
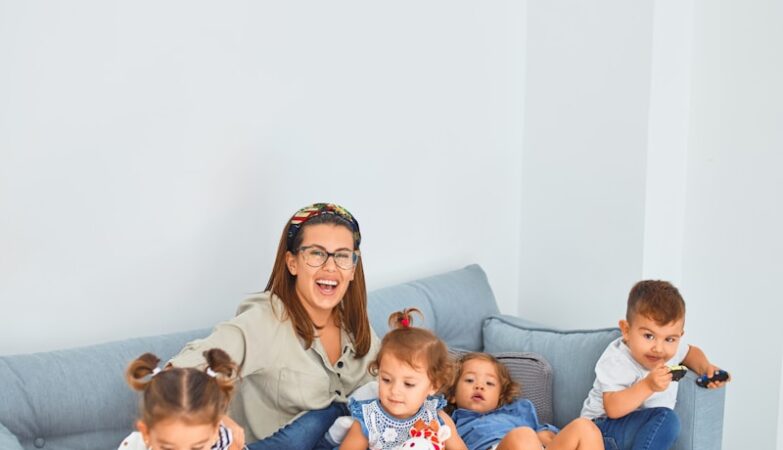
77	400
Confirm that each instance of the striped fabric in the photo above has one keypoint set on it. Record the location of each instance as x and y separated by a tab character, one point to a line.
533	373
224	439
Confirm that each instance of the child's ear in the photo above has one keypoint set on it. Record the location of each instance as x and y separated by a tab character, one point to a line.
145	432
625	328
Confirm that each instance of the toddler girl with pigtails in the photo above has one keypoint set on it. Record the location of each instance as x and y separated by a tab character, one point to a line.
181	408
412	366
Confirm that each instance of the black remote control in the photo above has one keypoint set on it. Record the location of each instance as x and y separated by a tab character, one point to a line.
678	372
719	375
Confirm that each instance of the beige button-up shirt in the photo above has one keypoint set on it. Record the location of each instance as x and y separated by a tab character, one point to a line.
280	379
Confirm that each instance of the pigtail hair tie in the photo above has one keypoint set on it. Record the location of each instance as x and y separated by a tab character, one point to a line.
402	320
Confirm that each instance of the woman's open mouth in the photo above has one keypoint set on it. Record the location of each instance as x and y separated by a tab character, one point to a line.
326	287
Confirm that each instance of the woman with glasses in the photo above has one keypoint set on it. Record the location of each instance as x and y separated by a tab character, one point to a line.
303	345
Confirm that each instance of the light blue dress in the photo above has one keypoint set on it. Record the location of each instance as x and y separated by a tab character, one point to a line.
385	432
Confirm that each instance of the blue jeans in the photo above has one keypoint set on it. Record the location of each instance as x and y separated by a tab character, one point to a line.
645	429
305	433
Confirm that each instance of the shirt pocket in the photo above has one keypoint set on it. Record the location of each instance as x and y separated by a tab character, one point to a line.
302	391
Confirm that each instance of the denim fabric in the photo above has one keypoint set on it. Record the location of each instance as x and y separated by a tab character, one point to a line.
305	433
644	429
482	430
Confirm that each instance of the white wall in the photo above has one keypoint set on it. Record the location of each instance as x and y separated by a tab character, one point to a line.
698	201
583	168
668	134
150	153
780	411
731	258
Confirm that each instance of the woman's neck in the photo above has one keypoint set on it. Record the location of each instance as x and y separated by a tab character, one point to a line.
321	319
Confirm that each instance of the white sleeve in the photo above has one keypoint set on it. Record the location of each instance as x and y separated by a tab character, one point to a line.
134	441
613	373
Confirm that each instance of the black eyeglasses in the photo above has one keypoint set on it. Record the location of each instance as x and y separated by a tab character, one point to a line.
316	256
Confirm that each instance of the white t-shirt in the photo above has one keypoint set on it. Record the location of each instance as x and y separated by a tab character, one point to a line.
617	370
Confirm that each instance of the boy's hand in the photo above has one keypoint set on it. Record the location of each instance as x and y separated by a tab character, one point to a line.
715	384
659	378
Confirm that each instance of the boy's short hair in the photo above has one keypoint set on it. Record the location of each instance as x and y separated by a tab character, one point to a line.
657	300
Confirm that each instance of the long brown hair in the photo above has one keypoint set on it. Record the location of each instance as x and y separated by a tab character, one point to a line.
351	312
414	345
191	395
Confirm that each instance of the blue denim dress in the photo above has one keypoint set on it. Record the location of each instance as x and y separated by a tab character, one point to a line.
480	431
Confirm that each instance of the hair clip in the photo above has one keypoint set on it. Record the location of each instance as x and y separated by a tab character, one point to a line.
155	371
405	322
211	372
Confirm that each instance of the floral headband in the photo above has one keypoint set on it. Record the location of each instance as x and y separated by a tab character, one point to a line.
319	209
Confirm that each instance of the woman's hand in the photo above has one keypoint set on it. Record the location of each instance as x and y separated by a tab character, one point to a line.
237	433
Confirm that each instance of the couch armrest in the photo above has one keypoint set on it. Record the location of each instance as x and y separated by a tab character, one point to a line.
701	415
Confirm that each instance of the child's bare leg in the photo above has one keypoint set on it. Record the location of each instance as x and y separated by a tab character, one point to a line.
579	434
520	438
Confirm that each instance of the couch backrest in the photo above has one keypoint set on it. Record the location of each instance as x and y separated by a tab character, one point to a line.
454	305
77	399
572	354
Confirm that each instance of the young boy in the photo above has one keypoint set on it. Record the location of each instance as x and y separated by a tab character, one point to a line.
633	396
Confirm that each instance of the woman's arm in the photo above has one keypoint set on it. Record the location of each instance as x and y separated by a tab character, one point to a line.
225	336
355	439
454	442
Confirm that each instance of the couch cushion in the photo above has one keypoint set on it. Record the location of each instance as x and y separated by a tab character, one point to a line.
7	440
572	354
454	305
77	399
534	374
